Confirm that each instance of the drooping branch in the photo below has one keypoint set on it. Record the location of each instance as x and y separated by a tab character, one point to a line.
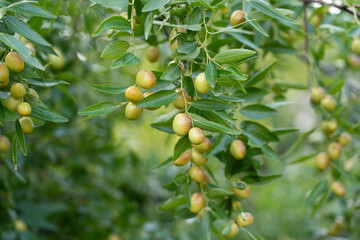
341	7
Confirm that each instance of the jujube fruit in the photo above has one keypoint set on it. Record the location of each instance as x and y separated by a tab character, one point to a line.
31	47
234	229
237	17
196	135
150	108
344	139
183	159
4	144
322	161
132	112
238	149
11	103
134	94
57	63
27	125
198	158
204	146
235	205
153	53
334	150
317	94
180	102
353	60
242	193
20	225
181	124
197	174
355	46
4	73
202	84
24	109
146	79
329	127
315	20
197	202
245	223
338	189
14	62
17	90
328	103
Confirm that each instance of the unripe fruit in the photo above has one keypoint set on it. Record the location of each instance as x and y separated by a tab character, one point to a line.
4	73
183	159
34	93
353	60
198	158
202	84
197	174
12	103
181	66
344	139
180	101
31	47
146	79
334	150
204	146
134	94
114	236
181	124
338	189
57	63
24	109
20	225
17	90
322	161
242	193
237	17
315	20
197	202
317	94
355	46
133	112
233	230
238	149
4	144
235	205
26	124
153	53
245	223
328	103
329	127
14	62
150	108
196	136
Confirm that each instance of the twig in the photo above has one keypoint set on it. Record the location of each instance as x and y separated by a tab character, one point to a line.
341	7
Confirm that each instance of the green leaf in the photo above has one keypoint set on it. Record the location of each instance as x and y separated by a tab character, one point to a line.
211	74
8	115
260	75
205	3
162	97
184	213
115	49
337	88
188	194
44	82
30	9
211	126
233	55
211	105
282	131
173	203
186	47
148	25
98	109
319	189
219	193
14	150
20	137
227	229
301	159
190	56
152	5
114	22
47	115
270	11
181	146
171	73
257	132
206	225
253	179
259	28
107	88
25	30
128	59
112	3
222	142
253	94
167	162
257	111
20	48
293	85
16	173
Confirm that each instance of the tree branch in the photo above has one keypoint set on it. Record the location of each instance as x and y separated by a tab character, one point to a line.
341	7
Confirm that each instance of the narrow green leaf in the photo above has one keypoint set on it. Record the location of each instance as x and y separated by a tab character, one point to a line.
98	109
260	75
16	173
206	223
211	105
44	82
270	11
257	111
115	49
47	115
173	203
233	55
160	98
152	5
128	59
181	146
171	73
115	4
219	193
320	188
30	9
188	194
20	137
107	88
114	22
148	25
205	3
14	150
211	126
190	56
211	74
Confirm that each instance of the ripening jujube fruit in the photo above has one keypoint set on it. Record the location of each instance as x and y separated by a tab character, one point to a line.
12	103
24	109
197	202
4	144
146	79
57	63
183	159
4	73
235	205
150	108
201	84
20	225
315	20
134	94
338	189
31	47
196	136
317	94
344	139
204	146
245	223
328	103
132	112
197	174
238	149
17	90
180	102
322	161
14	62
234	229
237	17
329	127
181	124
198	158
355	46
334	150
242	193
27	125
152	53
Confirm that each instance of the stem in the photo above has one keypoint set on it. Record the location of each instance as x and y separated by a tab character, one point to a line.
341	7
133	23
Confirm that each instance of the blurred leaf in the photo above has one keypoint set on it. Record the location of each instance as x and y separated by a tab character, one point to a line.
148	24
256	179
20	137
211	105
188	194
270	11
47	115
206	223
190	56
16	173
227	228
222	142
184	213
319	189
44	82
107	88
112	4
173	203
162	97
152	5
259	75
128	59
211	126
301	158
98	109
115	49
257	111
114	22
218	193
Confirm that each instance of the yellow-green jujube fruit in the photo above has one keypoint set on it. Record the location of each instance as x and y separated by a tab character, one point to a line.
235	205
344	139
196	136
338	189
27	125
152	53
322	161
238	149
20	225
181	124
150	108
198	158
14	62
334	150
17	90
57	63
234	229
329	127
237	17
241	221
31	47
204	146
355	46
4	144
180	102
242	193
197	174
24	109
183	159
197	202
134	94
328	103
201	84
12	103
132	112
317	94
146	79
114	236
315	20
4	74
